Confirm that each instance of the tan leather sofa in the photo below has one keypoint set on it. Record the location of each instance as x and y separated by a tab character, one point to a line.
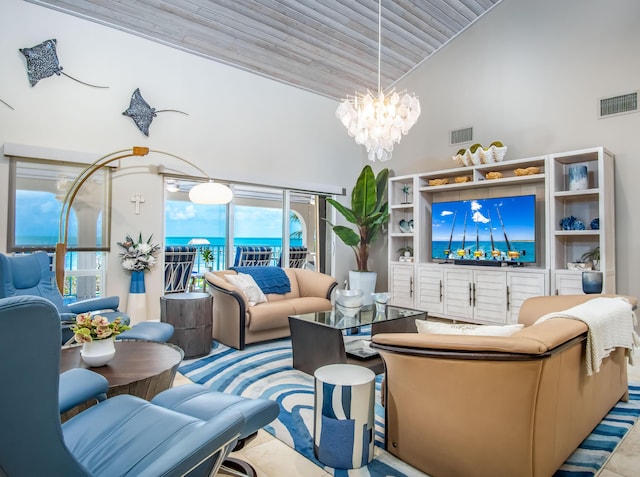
236	324
473	406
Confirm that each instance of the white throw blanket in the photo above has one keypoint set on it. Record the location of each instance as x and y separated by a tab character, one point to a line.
610	322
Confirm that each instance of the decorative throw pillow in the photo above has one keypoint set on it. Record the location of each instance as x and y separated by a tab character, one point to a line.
435	327
249	287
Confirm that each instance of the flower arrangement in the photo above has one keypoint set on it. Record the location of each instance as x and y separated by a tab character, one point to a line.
138	256
88	328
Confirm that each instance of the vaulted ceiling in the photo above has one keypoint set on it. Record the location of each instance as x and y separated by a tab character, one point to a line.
329	47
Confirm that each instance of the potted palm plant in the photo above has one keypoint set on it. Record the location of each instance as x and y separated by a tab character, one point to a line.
592	256
369	212
208	258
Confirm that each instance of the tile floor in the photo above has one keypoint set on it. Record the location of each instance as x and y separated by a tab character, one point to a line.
272	458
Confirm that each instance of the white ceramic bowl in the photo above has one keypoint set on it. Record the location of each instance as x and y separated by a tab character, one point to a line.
349	302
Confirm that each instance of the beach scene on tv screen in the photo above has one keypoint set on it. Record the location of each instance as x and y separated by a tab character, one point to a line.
501	228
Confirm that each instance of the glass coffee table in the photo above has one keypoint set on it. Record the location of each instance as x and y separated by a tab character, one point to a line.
330	337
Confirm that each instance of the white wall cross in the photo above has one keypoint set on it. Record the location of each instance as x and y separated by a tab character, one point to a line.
138	199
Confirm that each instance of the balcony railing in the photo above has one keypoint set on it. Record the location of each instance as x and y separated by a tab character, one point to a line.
220	257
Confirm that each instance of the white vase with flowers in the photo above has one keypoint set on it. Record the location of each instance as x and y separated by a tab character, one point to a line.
97	335
138	257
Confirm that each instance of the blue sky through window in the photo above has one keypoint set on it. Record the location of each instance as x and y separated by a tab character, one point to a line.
195	220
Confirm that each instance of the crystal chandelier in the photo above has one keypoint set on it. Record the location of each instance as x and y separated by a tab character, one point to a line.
379	121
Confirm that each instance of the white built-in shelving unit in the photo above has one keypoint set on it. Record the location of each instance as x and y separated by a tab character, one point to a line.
494	294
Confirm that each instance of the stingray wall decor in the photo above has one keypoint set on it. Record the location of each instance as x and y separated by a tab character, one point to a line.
42	62
142	114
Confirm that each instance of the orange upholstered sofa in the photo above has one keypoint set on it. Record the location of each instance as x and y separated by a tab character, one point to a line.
237	323
497	406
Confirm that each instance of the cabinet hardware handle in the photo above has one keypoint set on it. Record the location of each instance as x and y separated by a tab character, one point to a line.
411	286
470	295
474	294
508	298
440	291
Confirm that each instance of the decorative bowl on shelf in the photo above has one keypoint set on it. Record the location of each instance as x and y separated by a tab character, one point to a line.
406	226
437	182
477	155
572	223
526	171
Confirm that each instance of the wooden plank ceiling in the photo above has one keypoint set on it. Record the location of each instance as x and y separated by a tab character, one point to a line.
329	47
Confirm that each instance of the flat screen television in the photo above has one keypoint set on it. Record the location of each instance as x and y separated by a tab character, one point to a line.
499	229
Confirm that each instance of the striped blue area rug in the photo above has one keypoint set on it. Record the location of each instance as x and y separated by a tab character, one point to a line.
265	370
596	449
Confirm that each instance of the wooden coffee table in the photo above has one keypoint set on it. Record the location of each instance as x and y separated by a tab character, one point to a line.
140	368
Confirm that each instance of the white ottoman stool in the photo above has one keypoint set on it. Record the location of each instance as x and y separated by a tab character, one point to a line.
343	421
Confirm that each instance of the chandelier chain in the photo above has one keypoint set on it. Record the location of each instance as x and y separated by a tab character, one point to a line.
375	120
379	43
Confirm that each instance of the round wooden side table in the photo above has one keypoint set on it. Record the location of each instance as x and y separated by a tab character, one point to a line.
192	318
140	368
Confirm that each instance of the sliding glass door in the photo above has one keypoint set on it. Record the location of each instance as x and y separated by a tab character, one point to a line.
285	222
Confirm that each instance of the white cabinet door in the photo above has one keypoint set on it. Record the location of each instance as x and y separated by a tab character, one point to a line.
458	294
490	296
520	286
475	295
429	288
568	282
401	284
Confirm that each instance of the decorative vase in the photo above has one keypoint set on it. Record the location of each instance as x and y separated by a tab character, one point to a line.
349	302
578	177
365	281
98	352
381	299
592	282
137	302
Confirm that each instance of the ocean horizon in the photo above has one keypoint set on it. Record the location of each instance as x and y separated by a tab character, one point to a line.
48	240
220	241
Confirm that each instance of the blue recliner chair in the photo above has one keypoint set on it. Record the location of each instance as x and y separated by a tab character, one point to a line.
31	274
187	430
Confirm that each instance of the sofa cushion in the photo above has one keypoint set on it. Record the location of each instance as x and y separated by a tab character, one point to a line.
310	304
295	288
249	287
266	316
466	329
269	279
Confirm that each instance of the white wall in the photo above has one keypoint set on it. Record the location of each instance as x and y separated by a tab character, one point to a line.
240	126
530	74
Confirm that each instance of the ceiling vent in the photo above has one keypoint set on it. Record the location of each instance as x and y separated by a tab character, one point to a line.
621	104
460	136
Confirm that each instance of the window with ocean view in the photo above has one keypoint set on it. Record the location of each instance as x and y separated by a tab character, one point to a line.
37	189
254	218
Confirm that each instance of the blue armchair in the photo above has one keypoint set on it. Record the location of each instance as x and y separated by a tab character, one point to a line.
187	430
31	274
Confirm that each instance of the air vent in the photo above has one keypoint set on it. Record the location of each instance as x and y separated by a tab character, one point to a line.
460	136
622	104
